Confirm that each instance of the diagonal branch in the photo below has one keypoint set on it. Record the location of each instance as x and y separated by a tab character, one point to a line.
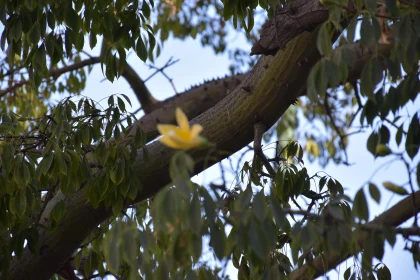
199	99
268	90
396	215
54	73
137	84
274	83
139	88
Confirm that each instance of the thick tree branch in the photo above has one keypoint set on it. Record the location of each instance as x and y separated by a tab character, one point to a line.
292	20
396	215
268	90
193	102
199	99
273	85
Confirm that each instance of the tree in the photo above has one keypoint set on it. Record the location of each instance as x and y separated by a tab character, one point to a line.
85	192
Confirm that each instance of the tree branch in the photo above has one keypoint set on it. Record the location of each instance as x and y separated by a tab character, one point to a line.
139	88
193	102
268	90
289	22
199	99
55	73
274	83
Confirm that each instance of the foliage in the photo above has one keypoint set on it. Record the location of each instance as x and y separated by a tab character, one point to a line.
277	217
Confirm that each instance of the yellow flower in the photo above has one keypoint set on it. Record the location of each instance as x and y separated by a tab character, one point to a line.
181	137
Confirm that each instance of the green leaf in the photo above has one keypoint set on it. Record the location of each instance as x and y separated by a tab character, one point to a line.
383	273
347	273
110	246
15	31
63	164
152	41
279	215
117	206
217	241
18	203
51	20
72	20
394	188
413	135
45	164
145	9
360	206
21	173
34	33
250	24
68	42
117	173
92	40
398	136
374	192
141	49
323	42
258	205
390	235
372	142
121	104
382	150
366	31
351	30
257	240
195	215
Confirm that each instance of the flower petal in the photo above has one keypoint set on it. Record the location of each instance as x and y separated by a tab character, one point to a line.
166	140
180	138
165	128
195	130
181	119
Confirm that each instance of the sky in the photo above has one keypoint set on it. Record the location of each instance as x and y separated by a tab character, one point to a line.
197	64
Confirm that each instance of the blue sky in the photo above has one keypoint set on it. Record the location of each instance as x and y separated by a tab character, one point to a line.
197	64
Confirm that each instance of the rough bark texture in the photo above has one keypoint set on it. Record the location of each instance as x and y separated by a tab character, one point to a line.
288	22
395	216
193	102
199	99
267	92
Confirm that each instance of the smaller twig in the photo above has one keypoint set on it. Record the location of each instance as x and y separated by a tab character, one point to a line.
267	175
340	135
259	129
359	102
309	209
47	198
396	126
13	87
170	62
222	173
249	148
